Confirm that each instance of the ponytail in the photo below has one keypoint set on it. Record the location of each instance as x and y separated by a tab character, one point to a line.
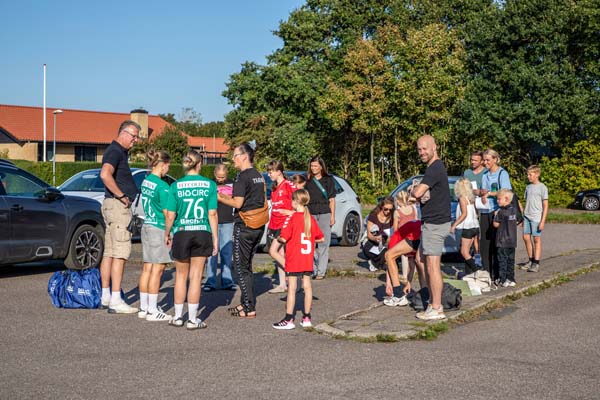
307	223
302	197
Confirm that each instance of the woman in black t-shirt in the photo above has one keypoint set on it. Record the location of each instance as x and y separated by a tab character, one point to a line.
248	194
321	187
379	229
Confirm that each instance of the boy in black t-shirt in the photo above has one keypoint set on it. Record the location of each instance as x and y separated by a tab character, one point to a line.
505	221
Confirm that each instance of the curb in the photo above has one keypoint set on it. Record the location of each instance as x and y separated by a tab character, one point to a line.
373	335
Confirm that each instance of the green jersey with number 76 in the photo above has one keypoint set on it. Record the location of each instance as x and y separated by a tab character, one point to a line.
191	197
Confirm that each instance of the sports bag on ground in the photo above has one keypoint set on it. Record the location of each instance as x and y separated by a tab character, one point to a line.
75	289
451	298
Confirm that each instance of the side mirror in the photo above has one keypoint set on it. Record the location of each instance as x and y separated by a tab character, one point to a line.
52	193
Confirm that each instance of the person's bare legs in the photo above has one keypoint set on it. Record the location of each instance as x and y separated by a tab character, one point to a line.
291	295
116	273
155	276
528	246
434	274
390	257
105	266
405	266
420	270
537	241
308	294
196	271
277	253
182	270
145	278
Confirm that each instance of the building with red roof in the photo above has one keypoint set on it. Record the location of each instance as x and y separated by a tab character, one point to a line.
82	135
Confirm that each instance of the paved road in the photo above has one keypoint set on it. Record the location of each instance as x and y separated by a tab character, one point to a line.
546	347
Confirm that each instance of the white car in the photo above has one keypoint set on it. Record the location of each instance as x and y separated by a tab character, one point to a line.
347	228
88	184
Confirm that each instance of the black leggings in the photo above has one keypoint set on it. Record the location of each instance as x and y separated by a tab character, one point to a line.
245	243
487	245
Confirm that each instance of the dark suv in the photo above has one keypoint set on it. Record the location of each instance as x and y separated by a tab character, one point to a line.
38	222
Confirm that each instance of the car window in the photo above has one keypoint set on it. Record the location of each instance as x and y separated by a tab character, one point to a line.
82	182
169	180
139	178
18	184
338	188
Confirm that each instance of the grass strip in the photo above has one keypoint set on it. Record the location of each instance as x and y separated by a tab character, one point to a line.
574	218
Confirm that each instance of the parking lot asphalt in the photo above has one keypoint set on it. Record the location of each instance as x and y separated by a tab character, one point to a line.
544	347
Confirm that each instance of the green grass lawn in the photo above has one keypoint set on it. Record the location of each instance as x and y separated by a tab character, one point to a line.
589	217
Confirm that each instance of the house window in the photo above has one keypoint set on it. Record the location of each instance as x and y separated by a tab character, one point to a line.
40	155
85	153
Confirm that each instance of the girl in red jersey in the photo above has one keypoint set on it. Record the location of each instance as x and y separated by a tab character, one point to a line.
281	208
300	232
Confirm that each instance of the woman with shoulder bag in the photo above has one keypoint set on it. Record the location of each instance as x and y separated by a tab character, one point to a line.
250	217
321	188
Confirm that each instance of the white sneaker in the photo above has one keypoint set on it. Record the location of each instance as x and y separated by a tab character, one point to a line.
510	283
177	322
432	314
306	322
372	267
158	316
122	308
142	314
199	324
104	304
396	301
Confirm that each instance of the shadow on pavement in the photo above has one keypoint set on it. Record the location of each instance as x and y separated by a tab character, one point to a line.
34	268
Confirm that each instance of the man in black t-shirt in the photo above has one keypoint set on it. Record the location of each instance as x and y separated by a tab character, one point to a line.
120	191
436	217
225	213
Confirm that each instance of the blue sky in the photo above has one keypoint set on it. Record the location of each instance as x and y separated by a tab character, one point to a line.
120	55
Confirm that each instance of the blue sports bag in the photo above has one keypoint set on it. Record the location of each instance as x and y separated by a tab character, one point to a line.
75	289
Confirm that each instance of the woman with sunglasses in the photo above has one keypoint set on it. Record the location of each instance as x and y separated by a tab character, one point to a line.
379	229
248	195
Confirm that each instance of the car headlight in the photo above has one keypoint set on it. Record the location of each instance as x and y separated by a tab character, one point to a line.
580	194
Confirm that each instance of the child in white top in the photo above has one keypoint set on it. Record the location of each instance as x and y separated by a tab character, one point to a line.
466	219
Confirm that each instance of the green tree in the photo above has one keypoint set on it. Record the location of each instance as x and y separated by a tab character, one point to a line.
170	140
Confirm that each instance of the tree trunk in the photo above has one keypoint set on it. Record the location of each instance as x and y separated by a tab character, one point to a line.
396	166
372	159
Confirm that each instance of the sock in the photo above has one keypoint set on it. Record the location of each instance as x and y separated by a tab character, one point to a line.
531	259
143	301
398	291
152	301
306	314
178	310
192	311
115	298
535	261
106	294
470	266
289	317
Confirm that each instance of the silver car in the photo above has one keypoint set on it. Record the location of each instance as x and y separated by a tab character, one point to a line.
88	184
347	228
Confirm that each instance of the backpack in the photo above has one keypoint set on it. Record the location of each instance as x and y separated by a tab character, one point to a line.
451	298
75	289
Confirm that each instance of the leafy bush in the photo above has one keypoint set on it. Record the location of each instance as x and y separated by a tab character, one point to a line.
576	170
64	170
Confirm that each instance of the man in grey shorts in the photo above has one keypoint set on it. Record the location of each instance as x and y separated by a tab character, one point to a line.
433	193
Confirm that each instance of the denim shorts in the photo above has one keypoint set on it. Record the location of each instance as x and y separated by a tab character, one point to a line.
154	249
531	227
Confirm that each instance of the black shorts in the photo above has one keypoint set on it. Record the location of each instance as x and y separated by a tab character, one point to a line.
187	244
469	233
305	273
414	244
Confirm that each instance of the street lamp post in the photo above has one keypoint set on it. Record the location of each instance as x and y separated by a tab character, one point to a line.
54	148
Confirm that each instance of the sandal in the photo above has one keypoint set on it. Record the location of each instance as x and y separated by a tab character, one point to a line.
242	313
235	310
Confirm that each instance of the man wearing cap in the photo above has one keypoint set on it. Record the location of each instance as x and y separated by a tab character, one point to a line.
119	193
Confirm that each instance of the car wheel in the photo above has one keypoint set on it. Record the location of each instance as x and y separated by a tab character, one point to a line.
351	230
591	203
86	248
